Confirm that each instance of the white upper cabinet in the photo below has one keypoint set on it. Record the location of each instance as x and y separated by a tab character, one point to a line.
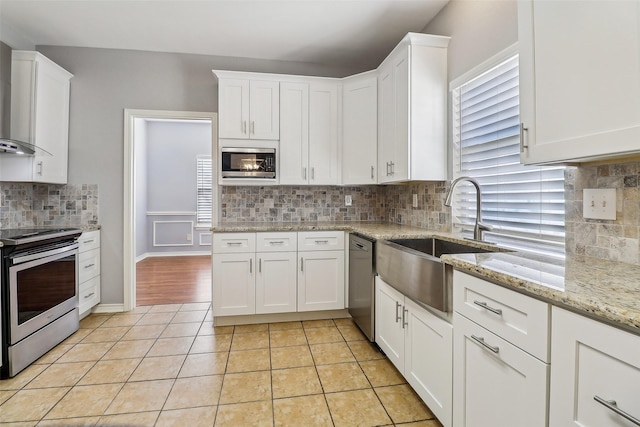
323	132
309	132
579	79
294	133
40	116
359	129
248	108
412	105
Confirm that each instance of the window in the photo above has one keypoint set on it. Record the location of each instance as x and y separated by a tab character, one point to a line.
204	204
525	204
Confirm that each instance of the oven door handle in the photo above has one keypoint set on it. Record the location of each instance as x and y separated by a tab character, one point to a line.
38	255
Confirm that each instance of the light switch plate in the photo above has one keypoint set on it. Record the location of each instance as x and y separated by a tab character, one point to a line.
347	200
599	203
415	200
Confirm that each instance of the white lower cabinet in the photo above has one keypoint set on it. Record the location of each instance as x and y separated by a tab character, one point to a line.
496	382
276	282
276	277
88	271
233	284
419	344
595	373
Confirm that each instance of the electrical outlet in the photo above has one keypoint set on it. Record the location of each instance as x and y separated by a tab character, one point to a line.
189	237
599	203
347	200
415	200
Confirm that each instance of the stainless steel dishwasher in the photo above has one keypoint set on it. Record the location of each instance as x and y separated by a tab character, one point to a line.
361	283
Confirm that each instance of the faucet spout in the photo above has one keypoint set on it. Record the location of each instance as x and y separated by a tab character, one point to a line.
479	225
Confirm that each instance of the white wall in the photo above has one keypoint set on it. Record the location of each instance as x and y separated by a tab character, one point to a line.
107	81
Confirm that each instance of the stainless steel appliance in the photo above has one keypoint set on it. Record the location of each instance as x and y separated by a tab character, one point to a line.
39	293
361	283
248	162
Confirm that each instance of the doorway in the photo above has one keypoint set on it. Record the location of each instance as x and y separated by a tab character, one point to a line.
167	249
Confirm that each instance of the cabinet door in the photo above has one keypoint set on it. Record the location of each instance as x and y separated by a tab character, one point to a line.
233	108
579	88
359	130
321	281
389	322
428	360
264	109
495	383
590	359
386	122
402	138
276	282
323	133
294	133
233	284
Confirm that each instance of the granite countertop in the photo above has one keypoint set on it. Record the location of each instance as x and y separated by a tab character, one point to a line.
605	290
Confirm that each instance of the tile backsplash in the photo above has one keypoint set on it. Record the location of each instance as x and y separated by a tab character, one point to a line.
32	205
391	203
617	240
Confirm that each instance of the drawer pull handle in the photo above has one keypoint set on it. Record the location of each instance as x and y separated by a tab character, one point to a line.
234	243
480	340
89	265
398	305
404	318
86	242
279	242
90	295
321	242
484	305
612	405
301	264
250	265
260	265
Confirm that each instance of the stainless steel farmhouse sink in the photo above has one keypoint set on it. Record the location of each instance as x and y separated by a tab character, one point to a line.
413	267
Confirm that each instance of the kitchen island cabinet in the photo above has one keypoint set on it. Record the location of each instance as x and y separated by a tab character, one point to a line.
579	88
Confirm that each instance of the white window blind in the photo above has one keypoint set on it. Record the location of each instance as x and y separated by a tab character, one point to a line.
525	204
204	205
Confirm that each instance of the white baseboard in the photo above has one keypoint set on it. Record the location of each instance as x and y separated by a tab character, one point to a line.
161	254
108	308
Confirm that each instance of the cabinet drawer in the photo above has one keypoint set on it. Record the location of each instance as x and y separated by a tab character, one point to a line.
89	240
88	265
234	242
321	241
590	359
521	320
277	242
89	294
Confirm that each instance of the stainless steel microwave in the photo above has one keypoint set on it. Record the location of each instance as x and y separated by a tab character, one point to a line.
248	162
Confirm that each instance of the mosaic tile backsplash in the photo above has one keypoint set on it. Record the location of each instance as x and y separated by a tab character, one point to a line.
33	205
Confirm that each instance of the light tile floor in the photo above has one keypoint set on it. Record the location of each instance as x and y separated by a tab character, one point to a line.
166	365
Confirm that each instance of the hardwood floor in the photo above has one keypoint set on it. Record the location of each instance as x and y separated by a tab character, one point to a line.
173	280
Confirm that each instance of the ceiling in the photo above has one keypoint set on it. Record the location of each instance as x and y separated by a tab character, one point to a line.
343	33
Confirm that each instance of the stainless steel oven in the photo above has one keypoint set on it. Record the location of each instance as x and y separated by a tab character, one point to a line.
39	295
248	162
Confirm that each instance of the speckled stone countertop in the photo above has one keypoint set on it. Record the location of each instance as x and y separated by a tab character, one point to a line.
605	290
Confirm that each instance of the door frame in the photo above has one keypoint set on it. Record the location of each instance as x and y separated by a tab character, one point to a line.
129	227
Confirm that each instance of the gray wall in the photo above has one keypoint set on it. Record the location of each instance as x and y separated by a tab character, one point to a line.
478	29
172	150
106	82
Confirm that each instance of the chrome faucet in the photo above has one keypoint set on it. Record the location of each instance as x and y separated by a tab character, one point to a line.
479	226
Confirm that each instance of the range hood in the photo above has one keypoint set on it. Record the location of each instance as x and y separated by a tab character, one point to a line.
8	145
